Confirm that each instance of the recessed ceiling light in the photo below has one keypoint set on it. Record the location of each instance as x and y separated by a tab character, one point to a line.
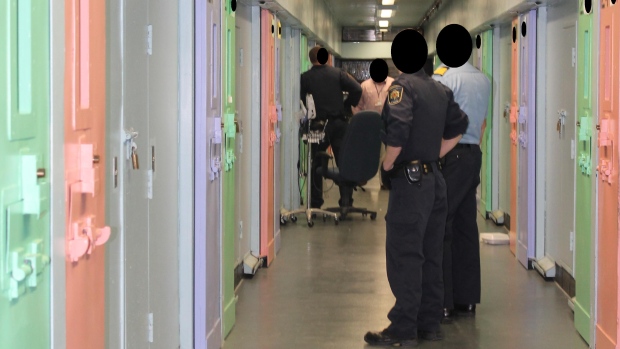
386	13
384	24
387	2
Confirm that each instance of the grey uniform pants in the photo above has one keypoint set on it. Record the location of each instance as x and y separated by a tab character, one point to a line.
416	220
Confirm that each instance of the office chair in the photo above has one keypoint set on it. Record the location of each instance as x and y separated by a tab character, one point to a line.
358	159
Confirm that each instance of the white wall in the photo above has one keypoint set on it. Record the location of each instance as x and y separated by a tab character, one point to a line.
474	15
366	50
314	18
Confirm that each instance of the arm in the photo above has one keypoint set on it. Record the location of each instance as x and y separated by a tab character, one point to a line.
456	124
484	127
361	105
349	84
391	153
448	144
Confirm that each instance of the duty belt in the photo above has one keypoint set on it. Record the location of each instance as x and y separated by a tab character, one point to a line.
426	167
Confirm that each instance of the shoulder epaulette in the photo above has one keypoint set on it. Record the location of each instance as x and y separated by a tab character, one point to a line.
441	71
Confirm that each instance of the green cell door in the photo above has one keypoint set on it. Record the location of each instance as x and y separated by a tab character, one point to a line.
24	185
228	156
584	178
486	177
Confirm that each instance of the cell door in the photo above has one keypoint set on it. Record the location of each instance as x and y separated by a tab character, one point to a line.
228	154
514	115
303	151
207	183
607	172
583	173
277	174
269	118
24	184
485	64
85	124
526	210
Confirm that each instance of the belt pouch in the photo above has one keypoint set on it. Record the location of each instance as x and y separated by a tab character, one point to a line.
413	172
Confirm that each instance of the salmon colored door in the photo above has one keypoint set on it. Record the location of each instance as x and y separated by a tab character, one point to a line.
24	175
584	182
269	118
514	113
526	210
607	283
86	232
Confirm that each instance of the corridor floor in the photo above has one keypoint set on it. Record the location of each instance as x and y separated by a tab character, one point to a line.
328	286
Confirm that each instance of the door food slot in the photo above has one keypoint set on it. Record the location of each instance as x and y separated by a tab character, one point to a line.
83	235
585	134
605	140
522	122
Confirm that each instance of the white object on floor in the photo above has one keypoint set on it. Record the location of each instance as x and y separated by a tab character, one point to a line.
545	266
495	238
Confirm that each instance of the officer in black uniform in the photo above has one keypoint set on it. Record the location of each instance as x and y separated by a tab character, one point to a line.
326	84
423	122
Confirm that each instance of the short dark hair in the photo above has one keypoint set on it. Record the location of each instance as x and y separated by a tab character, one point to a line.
314	53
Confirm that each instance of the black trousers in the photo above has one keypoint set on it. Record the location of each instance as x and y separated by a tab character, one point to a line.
416	220
461	262
334	135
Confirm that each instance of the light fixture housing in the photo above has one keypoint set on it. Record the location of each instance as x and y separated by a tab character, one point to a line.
386	13
387	2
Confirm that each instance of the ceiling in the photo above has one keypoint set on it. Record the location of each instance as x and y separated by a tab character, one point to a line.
362	13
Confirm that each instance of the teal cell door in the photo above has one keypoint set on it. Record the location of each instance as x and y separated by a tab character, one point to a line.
228	156
584	176
24	180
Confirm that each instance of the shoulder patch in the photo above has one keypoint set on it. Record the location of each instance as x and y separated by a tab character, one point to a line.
441	71
395	94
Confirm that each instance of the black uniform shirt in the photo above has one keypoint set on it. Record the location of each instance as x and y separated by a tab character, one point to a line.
325	84
418	113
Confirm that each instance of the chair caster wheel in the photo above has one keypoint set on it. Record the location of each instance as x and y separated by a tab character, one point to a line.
283	220
336	221
373	216
293	219
310	224
324	217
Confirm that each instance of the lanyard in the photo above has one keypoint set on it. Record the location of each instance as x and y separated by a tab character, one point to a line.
376	88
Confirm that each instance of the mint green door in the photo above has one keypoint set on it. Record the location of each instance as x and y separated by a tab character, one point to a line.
584	178
24	185
228	156
486	177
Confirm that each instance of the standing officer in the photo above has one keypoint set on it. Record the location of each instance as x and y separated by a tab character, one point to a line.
422	123
461	170
326	84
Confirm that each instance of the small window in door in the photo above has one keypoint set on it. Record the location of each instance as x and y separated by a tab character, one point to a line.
478	41
514	34
523	29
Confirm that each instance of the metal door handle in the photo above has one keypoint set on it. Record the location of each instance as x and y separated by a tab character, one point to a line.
41	173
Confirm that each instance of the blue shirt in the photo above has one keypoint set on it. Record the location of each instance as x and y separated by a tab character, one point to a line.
472	90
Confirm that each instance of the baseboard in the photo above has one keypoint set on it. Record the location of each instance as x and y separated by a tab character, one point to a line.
238	274
565	280
507	220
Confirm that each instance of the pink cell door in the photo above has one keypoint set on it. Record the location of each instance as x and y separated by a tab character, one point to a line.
86	233
526	127
269	118
514	113
607	249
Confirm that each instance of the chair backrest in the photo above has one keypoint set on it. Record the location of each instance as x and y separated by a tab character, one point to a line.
361	147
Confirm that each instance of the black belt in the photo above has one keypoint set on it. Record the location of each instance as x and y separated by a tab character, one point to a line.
427	167
465	146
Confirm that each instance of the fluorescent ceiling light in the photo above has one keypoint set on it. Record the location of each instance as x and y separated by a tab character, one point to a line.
386	13
387	2
383	30
384	24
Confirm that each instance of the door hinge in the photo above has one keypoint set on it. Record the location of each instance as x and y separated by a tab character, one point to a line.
150	327
149	39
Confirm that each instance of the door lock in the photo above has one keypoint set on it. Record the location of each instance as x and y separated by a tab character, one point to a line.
41	173
96	159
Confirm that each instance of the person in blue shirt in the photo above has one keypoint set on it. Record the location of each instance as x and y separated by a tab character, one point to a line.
461	170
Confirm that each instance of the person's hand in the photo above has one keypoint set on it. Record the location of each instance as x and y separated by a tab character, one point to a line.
386	178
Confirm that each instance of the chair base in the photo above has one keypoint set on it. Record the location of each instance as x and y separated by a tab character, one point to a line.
345	210
311	213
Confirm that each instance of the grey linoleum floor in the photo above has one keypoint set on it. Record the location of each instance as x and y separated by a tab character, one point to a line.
328	286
